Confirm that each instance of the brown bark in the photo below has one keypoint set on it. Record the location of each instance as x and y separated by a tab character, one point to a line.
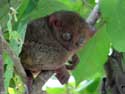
2	90
17	65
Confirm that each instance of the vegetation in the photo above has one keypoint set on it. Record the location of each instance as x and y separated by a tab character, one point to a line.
15	14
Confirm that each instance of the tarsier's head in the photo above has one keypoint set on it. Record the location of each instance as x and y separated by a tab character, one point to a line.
69	29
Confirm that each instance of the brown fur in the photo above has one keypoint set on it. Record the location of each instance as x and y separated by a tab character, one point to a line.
45	49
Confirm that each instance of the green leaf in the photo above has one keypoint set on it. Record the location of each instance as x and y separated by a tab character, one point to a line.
55	90
17	84
14	35
26	7
16	44
89	86
9	24
22	8
77	6
8	70
113	13
92	2
46	7
4	8
92	57
11	91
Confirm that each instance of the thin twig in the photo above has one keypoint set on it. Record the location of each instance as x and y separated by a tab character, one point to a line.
94	15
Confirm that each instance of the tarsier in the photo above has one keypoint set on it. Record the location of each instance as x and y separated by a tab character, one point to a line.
115	80
51	41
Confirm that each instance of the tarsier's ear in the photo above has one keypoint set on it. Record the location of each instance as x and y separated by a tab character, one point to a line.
55	22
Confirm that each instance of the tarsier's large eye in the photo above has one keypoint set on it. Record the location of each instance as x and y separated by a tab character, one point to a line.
80	41
67	36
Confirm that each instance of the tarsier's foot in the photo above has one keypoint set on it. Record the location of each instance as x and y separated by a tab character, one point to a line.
62	75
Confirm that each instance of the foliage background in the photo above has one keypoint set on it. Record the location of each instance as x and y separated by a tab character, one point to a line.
15	14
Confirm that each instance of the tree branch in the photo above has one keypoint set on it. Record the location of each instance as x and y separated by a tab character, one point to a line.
40	81
94	15
2	90
17	64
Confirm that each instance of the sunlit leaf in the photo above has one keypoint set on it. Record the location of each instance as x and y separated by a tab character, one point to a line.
9	69
77	6
46	7
88	86
11	91
92	57
55	90
22	8
113	13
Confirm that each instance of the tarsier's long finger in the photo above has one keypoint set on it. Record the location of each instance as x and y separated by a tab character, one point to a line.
73	63
62	75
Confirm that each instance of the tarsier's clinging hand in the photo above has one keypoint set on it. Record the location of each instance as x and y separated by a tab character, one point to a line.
51	41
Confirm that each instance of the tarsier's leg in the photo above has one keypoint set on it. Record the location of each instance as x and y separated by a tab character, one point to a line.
62	75
73	63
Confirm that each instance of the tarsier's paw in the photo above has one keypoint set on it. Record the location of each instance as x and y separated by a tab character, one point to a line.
62	75
73	63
